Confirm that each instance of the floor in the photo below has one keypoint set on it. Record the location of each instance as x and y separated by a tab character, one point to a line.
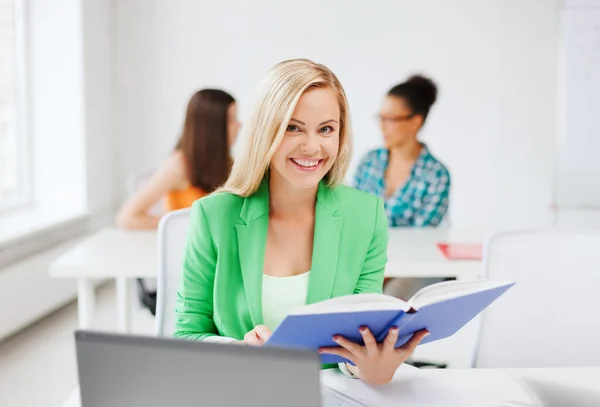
38	366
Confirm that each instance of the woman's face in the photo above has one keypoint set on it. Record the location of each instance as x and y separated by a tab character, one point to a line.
233	125
398	124
311	142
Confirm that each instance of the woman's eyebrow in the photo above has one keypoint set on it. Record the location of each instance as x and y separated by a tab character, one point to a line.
328	121
320	124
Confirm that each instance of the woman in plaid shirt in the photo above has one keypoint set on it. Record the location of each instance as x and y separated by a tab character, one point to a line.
414	185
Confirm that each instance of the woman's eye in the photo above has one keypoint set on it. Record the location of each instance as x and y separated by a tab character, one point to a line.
292	128
326	129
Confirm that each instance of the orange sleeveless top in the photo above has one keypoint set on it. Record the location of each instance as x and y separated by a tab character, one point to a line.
183	198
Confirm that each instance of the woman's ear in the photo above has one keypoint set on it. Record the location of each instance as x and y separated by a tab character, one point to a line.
418	121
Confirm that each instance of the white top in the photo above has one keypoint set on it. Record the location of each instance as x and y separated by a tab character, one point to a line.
281	296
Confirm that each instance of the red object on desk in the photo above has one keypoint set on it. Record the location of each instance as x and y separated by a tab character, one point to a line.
461	251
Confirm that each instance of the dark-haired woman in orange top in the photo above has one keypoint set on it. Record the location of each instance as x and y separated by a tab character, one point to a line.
199	164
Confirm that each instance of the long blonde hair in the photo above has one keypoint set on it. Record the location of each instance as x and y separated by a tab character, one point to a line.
278	95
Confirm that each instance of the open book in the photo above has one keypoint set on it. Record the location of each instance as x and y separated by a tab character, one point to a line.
441	308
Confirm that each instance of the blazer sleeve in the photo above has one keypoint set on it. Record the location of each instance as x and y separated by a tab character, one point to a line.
194	306
371	276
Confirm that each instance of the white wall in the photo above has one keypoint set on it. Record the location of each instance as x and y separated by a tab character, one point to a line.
494	61
28	293
99	34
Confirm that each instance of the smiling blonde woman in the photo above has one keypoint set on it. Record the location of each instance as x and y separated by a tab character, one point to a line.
282	232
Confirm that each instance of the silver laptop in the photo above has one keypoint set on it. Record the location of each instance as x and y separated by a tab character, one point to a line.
140	371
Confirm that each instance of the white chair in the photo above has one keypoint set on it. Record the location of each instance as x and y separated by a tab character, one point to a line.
549	318
136	181
172	237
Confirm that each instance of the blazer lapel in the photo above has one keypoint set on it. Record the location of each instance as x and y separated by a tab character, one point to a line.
326	242
251	240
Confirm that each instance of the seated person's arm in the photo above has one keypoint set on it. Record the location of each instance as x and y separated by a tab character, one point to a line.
360	173
194	307
435	204
371	276
134	213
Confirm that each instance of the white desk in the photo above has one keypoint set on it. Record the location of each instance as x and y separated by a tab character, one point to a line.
110	253
413	252
125	255
468	387
477	387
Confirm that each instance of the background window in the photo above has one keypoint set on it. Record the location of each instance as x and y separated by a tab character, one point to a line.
13	147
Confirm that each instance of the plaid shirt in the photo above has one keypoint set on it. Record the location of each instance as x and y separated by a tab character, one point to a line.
422	201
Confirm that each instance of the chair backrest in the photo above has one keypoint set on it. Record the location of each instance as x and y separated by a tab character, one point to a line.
172	237
136	181
550	317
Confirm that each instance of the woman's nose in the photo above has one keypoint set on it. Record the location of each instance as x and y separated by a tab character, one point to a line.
311	144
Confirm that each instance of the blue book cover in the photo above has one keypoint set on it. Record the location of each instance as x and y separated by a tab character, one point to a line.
441	308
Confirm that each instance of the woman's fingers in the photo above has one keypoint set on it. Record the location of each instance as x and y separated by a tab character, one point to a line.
263	333
369	339
258	336
354	348
414	341
389	343
252	339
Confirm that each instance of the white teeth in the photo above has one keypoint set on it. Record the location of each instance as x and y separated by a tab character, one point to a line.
306	163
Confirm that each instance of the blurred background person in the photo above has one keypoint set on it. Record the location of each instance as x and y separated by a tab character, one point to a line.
199	164
414	185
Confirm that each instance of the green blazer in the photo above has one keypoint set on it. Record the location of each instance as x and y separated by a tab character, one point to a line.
221	285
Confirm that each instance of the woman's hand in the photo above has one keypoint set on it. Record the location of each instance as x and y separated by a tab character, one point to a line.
256	337
375	362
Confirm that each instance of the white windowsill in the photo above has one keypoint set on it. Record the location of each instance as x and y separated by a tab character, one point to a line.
23	224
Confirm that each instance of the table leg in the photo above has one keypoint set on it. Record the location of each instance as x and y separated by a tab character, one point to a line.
85	302
124	304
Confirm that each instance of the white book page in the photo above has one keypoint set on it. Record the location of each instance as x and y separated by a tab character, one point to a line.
451	289
354	303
